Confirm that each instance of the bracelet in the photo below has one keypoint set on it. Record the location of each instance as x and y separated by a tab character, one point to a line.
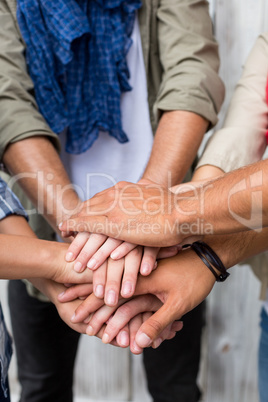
210	259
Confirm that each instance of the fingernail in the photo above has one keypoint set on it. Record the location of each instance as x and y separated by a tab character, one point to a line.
157	343
77	266
73	317
60	225
127	289
90	330
61	294
114	255
155	264
99	291
136	348
86	320
143	340
111	297
91	263
145	269
69	256
124	338
105	338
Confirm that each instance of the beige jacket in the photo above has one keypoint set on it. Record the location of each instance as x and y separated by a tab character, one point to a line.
242	139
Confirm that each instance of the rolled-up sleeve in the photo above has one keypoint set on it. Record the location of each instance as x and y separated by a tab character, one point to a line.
189	58
9	203
19	113
242	139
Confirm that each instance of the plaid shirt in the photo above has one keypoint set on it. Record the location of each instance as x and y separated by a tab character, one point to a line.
76	55
9	205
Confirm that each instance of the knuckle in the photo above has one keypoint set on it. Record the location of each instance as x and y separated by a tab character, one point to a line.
83	256
155	325
112	284
135	252
99	255
150	259
130	277
112	327
125	310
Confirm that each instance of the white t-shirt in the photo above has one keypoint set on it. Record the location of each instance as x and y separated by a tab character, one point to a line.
108	161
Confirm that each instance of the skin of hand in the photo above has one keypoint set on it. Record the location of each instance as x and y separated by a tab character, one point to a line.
180	283
120	276
120	322
91	250
35	258
140	212
242	195
51	289
118	317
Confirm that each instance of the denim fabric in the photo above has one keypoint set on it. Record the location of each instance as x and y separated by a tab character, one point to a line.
46	348
5	356
76	55
5	396
263	358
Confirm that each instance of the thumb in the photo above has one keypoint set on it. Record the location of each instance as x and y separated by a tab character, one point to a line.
152	328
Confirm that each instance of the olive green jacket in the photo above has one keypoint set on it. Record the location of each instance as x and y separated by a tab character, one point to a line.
180	56
181	62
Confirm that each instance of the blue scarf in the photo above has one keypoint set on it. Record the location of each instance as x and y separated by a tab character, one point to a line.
76	55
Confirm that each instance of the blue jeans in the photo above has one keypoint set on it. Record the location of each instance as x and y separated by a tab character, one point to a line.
4	398
263	358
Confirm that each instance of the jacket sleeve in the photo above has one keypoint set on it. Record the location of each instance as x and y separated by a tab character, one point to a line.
189	59
19	113
242	139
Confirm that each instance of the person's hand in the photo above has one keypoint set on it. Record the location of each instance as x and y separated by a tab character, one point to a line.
66	310
120	323
112	273
145	214
129	313
58	270
91	250
113	277
180	283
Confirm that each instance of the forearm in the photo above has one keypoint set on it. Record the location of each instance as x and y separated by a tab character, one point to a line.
176	142
38	169
234	202
32	258
237	247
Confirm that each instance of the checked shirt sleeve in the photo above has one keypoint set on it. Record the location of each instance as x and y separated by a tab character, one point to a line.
9	203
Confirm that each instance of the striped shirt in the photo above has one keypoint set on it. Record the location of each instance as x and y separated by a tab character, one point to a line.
9	205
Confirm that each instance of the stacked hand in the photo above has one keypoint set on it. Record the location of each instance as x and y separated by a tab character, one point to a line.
122	269
177	285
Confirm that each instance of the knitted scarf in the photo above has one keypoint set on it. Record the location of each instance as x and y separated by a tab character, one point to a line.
76	55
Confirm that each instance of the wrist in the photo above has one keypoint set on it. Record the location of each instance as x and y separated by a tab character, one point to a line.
48	288
186	217
69	205
52	258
